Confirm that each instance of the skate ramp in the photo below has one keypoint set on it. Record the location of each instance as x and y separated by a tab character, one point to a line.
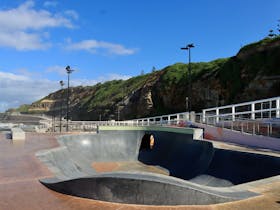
198	172
174	151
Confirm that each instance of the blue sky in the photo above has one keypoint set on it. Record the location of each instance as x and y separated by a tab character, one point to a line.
116	39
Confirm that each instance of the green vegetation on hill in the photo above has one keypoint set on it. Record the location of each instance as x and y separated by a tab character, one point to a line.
263	42
112	92
221	81
175	74
23	108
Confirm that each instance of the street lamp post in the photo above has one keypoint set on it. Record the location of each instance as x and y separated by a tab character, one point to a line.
188	47
68	71
60	118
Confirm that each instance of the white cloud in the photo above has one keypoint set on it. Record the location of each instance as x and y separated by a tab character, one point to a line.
26	17
56	69
21	27
13	77
114	76
50	3
95	46
21	40
71	13
16	89
82	82
107	77
60	70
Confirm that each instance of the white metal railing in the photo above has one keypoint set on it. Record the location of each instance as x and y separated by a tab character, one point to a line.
265	108
246	114
261	126
163	119
54	124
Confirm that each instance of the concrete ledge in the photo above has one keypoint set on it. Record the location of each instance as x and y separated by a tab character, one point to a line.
197	133
236	137
149	128
18	134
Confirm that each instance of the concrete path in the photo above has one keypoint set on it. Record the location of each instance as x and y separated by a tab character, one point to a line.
20	171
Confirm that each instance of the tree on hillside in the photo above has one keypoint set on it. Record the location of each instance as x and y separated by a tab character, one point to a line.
273	34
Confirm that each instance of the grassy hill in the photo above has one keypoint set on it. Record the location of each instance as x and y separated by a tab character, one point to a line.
253	73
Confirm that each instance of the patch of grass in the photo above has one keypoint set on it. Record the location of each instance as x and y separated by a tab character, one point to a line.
23	108
112	92
262	42
178	73
174	74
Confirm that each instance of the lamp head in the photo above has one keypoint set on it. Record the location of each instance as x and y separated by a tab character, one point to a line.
69	70
190	45
185	48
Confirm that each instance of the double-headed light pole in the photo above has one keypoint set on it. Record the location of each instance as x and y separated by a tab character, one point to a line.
68	71
189	102
60	117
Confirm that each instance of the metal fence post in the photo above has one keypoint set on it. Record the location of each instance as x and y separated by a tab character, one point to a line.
252	111
203	116
278	108
233	113
217	116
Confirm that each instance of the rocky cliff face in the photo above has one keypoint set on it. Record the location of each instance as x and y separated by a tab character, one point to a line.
254	73
140	103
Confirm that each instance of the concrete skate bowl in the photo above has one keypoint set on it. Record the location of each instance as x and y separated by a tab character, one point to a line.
118	164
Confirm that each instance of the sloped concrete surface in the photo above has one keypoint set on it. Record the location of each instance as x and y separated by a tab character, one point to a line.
142	188
209	170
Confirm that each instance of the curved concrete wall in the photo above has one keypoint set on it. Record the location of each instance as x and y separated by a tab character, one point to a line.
77	152
120	146
241	167
174	150
142	189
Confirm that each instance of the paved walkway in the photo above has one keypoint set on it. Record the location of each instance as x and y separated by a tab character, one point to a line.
20	189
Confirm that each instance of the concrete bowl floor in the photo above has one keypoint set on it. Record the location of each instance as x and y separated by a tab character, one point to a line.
20	171
114	166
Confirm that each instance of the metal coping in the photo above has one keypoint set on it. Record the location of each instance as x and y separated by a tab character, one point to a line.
148	128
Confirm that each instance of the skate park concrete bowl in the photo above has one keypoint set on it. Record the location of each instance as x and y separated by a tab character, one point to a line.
123	165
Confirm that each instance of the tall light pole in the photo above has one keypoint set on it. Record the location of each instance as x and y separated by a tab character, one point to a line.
60	117
188	47
68	71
